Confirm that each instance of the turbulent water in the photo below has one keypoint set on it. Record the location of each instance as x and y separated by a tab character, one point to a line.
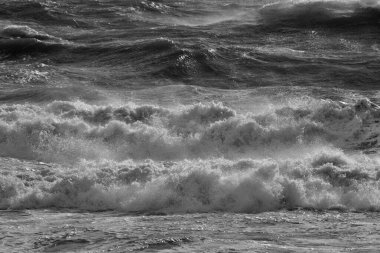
189	125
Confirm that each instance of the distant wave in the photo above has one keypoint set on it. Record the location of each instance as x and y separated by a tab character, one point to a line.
202	64
305	13
43	13
327	14
16	39
47	94
159	57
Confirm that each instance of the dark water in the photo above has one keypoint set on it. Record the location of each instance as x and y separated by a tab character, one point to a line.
174	107
221	44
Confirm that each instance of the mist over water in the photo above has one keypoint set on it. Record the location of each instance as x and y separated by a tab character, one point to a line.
227	108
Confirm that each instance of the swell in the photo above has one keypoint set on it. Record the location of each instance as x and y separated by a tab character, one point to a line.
300	14
48	94
202	64
67	132
94	13
20	40
45	13
323	61
159	57
321	14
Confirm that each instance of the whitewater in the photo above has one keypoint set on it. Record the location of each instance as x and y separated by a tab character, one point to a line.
189	126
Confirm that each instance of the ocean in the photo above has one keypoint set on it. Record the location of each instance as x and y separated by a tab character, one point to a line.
189	126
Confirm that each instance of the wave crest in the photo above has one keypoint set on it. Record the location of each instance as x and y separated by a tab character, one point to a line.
70	131
247	186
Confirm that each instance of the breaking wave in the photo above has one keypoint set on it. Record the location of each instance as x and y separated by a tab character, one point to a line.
321	180
70	131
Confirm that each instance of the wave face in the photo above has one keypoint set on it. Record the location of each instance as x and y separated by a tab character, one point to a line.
16	39
328	14
189	106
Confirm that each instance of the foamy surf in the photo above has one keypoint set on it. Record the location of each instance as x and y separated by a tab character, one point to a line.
201	158
70	131
320	180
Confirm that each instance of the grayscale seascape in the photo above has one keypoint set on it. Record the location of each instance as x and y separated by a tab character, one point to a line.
189	126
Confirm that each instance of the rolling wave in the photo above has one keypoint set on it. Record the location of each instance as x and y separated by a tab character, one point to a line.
67	132
159	57
154	58
44	12
322	180
322	14
16	40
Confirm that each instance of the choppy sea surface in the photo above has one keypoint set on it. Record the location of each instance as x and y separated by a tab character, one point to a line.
189	126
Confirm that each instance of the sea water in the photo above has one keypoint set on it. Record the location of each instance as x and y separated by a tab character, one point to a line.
189	126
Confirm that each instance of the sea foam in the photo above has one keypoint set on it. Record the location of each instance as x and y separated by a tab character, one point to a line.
71	131
321	180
